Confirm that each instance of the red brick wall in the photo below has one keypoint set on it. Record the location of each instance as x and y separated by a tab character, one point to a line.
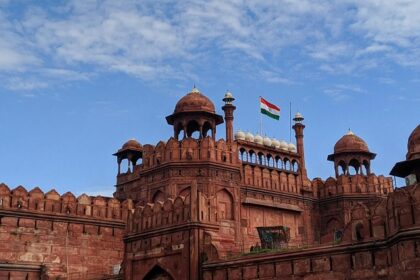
77	238
370	261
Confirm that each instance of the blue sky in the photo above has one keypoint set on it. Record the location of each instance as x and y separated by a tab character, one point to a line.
79	78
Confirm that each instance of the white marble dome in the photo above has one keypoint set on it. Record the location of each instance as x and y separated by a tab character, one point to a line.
249	137
292	147
258	139
228	94
275	143
240	135
283	145
267	141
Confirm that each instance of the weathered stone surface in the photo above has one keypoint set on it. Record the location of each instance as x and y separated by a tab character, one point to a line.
191	208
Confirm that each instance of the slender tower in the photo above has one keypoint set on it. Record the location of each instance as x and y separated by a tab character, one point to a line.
298	127
228	108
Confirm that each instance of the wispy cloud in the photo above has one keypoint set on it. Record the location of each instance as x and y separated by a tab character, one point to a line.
17	83
149	39
341	92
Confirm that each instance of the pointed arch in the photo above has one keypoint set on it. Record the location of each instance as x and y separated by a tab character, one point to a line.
206	128
158	196
185	192
286	164
354	166
341	168
224	205
252	157
158	273
193	128
261	159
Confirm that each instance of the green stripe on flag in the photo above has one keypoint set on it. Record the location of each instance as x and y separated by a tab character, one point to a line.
271	115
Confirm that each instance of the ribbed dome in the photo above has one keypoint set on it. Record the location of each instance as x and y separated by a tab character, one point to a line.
132	144
267	141
413	145
258	139
275	143
249	137
240	135
350	143
283	145
291	147
194	101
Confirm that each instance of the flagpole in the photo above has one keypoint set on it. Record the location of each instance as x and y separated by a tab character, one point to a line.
261	120
290	122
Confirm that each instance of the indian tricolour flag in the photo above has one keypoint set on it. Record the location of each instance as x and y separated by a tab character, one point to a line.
269	109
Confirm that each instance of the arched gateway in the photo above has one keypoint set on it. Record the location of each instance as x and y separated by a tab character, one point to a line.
158	273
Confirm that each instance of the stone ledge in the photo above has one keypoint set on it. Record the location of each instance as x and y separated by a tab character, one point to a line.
271	204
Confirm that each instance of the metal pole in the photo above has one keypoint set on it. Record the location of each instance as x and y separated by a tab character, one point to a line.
260	118
290	122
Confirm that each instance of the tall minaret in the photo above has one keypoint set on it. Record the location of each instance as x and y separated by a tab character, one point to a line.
228	109
298	127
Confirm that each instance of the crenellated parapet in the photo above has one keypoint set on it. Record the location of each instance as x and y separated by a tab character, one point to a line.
160	214
19	199
178	151
402	208
353	184
397	212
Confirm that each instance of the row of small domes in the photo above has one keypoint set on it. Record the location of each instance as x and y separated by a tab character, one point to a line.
266	141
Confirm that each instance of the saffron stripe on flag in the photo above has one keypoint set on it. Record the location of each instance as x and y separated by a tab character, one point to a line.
269	109
268	104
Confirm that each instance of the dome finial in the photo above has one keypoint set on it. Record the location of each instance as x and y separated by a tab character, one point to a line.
194	89
228	99
298	117
350	132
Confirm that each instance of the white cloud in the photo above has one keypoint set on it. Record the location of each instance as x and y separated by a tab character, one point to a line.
65	74
13	54
149	39
274	77
341	92
20	84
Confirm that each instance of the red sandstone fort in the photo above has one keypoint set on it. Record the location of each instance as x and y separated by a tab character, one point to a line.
199	207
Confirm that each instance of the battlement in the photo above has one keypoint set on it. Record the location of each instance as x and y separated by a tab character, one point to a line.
107	208
186	150
353	184
389	216
160	214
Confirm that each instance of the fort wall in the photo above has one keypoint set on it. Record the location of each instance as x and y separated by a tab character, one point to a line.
64	236
379	242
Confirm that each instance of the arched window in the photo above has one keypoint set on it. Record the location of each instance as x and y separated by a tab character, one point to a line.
341	168
366	167
354	166
261	159
332	226
278	162
270	161
193	129
359	232
179	131
294	166
206	129
224	205
252	157
286	164
243	155
158	196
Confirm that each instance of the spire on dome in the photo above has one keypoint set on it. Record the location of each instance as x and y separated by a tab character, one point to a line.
194	89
